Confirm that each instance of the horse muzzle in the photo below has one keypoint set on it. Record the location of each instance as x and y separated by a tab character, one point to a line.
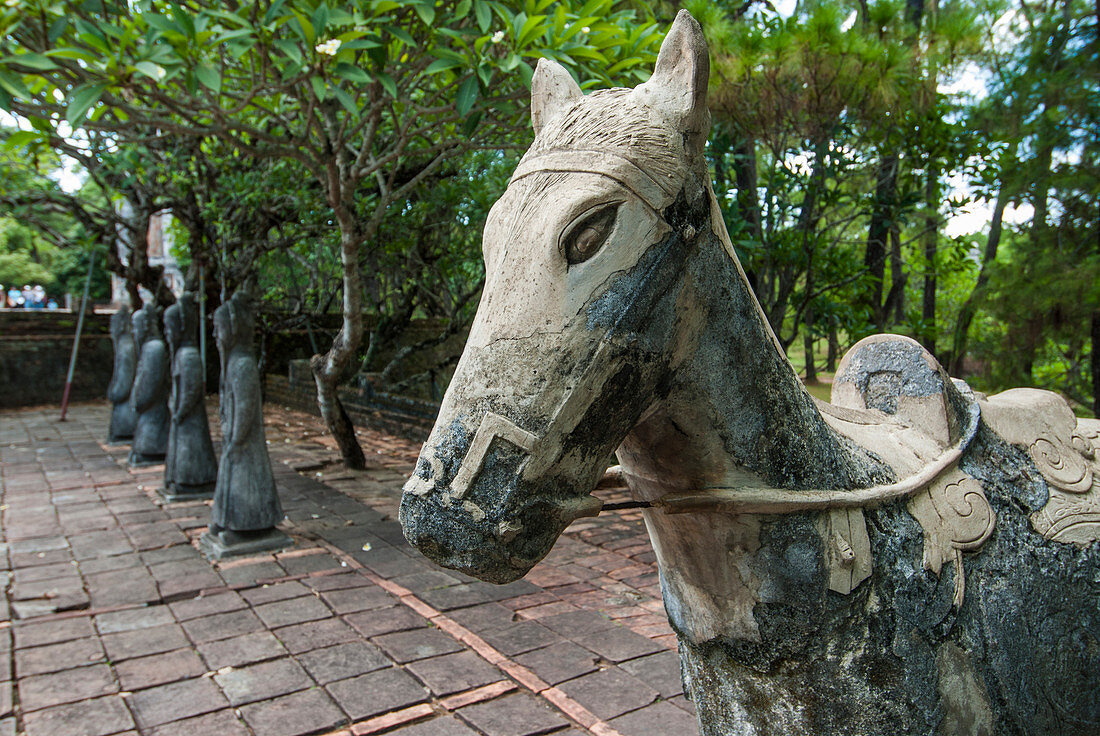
481	516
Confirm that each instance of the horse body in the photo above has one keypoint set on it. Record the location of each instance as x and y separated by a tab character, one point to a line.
810	555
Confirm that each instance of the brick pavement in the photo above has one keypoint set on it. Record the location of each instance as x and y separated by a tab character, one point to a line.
113	623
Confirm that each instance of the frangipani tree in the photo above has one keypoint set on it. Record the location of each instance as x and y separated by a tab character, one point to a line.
369	97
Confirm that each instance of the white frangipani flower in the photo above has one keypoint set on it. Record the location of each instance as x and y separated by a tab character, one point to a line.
497	37
329	48
160	73
586	29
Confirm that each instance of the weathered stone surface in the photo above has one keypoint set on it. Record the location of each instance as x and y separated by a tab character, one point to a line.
885	563
191	467
149	395
246	503
123	416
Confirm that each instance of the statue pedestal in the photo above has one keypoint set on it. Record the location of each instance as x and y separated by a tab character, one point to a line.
228	543
143	461
181	493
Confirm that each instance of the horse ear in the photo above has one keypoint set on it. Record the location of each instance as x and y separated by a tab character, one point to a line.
552	88
681	74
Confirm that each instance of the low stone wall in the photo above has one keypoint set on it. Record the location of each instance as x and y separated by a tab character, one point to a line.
396	415
34	357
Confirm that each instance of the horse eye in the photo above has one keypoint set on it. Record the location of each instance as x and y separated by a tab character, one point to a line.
584	240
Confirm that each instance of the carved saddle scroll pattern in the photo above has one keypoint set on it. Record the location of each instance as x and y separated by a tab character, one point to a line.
956	517
1070	469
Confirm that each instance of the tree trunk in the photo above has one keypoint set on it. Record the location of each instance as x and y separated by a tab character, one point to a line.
1094	334
330	369
898	277
808	344
970	306
878	232
931	238
833	353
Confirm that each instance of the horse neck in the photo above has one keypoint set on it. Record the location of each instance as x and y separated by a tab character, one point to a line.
737	413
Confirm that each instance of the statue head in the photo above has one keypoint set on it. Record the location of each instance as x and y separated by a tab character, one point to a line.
120	323
180	321
146	324
233	324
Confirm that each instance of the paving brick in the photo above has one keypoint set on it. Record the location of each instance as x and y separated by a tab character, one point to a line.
514	715
377	692
659	719
219	723
97	717
249	574
158	669
315	635
408	646
134	618
307	712
660	671
576	623
69	686
454	673
275	592
609	693
176	701
343	661
51	632
618	644
519	637
351	600
262	681
559	662
107	564
308	563
386	621
222	626
293	611
54	657
445	726
483	617
142	642
241	650
336	582
207	605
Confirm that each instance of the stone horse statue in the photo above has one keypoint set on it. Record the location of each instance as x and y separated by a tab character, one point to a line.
910	558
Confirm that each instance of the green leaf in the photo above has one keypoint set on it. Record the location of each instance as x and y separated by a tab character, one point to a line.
319	88
532	27
320	19
351	73
14	86
525	73
388	84
57	28
71	53
81	100
484	15
345	100
210	77
401	33
38	62
467	95
21	138
161	23
441	65
150	70
290	50
426	11
462	9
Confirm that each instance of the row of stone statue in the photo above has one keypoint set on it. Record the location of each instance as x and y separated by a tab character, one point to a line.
157	392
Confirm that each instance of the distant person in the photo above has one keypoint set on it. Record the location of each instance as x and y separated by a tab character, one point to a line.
52	304
15	298
28	296
39	294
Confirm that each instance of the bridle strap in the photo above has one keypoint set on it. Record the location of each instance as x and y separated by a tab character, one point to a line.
654	192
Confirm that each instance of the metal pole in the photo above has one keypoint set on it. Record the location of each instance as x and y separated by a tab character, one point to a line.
76	340
202	320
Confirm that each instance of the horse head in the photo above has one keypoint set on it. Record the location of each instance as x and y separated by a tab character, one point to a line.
579	321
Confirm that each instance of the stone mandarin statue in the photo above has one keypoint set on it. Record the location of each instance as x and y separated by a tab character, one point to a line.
123	417
912	558
191	467
150	392
246	504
